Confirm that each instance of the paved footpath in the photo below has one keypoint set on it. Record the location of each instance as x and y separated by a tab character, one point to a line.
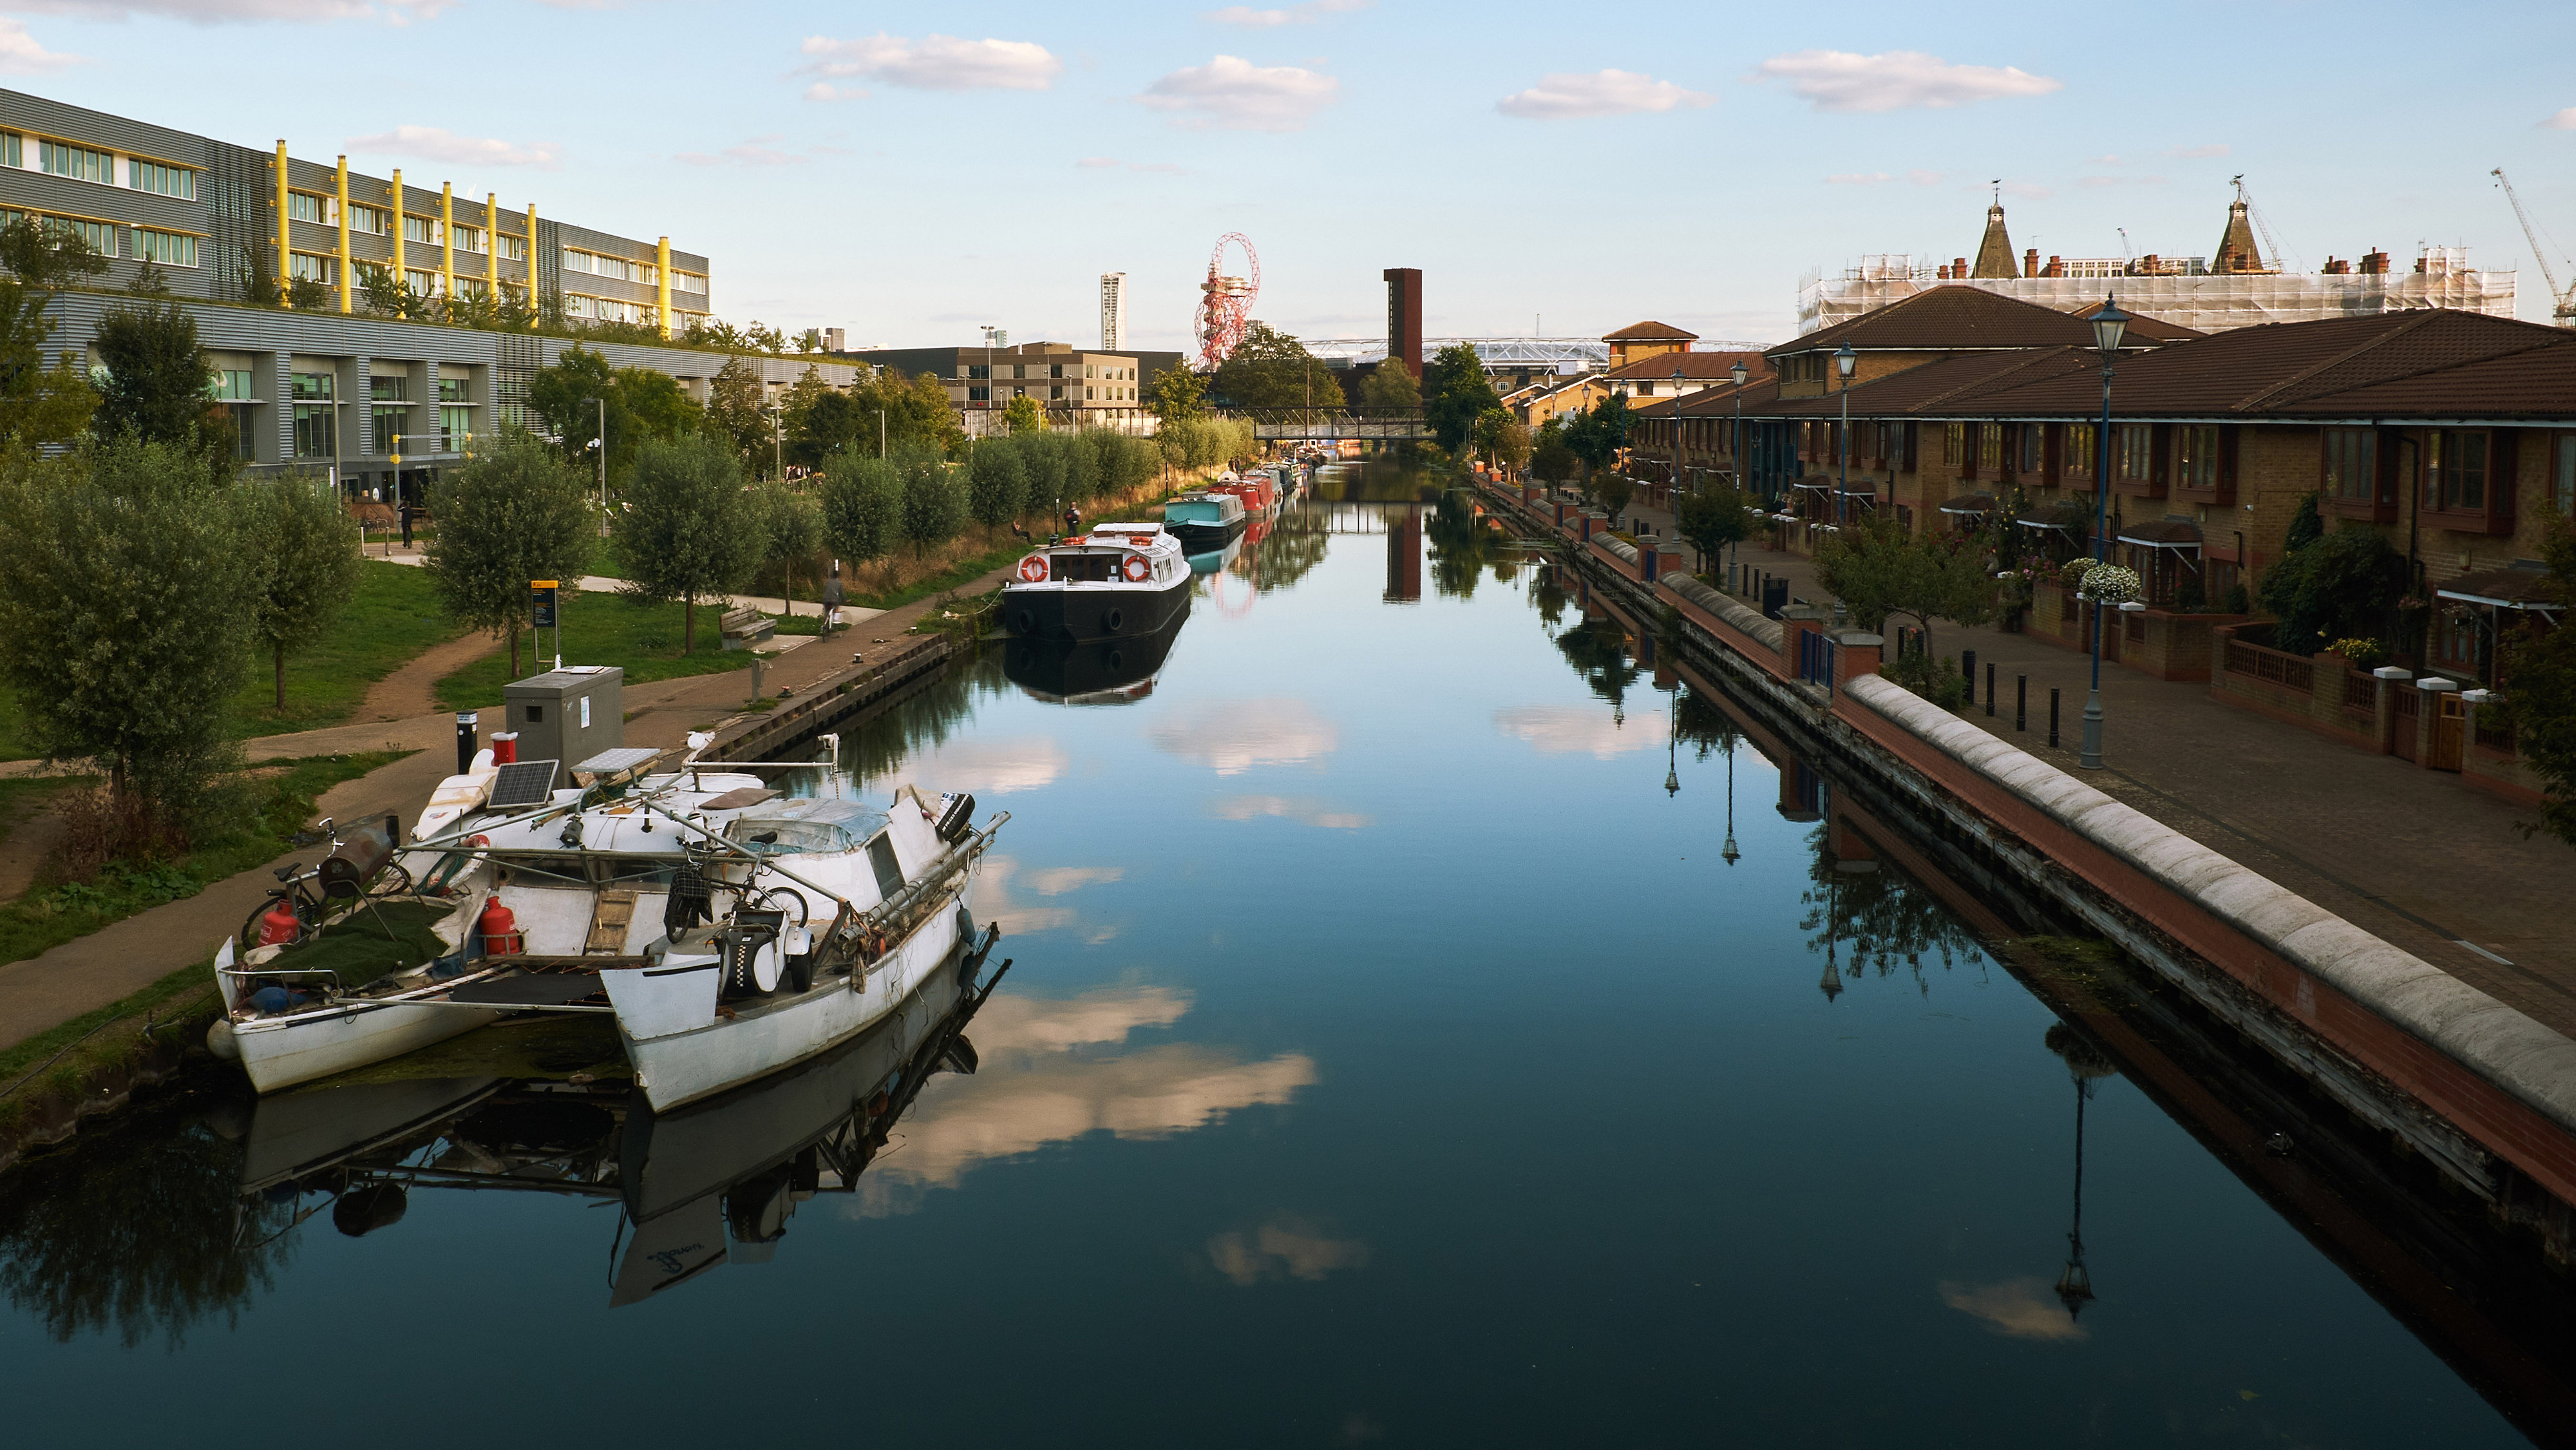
2416	857
84	975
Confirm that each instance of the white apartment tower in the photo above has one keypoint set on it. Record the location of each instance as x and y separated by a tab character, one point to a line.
1113	311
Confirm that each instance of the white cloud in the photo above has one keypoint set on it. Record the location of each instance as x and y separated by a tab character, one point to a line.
1858	178
934	63
225	12
826	91
2219	148
1896	80
1286	1248
1306	14
2563	121
1592	730
1233	736
437	143
1304	809
22	55
2017	1308
1569	96
758	151
2120	181
1232	94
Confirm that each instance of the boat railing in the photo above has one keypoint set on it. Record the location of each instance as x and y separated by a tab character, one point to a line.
959	856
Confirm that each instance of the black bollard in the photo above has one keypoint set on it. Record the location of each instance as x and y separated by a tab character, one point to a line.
2052	717
1990	689
1968	667
465	742
2021	702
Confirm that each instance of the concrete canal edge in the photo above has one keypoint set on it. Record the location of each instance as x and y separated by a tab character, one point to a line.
2448	1069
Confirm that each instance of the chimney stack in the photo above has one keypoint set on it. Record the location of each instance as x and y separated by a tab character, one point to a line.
2056	268
2030	262
2374	263
1958	266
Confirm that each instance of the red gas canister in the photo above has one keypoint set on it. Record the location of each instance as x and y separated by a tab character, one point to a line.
498	927
278	925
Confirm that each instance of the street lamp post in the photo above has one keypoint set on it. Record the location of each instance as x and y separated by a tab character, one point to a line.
1844	361
1730	854
600	441
2109	325
778	441
1677	440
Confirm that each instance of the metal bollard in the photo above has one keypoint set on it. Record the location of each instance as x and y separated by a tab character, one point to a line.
2052	716
465	744
2021	702
1968	667
1990	690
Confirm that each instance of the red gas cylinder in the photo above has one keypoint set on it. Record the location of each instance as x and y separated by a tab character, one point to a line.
499	929
278	925
505	747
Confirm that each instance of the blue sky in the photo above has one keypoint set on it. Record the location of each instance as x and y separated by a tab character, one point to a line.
909	173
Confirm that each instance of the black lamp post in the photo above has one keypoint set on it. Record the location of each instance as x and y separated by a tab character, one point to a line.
1844	361
1738	373
1677	436
2109	325
1729	852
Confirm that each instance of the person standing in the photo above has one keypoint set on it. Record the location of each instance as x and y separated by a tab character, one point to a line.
832	597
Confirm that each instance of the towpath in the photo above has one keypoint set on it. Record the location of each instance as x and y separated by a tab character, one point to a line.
2417	857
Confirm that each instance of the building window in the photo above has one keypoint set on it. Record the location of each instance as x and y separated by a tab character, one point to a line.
575	305
514	248
306	267
232	385
169	249
688	282
455	425
77	162
312	387
245	444
2562	476
2351	458
649	273
304	206
422	284
452	390
13	150
1056	393
421	229
389	389
368	219
2196	456
2137	451
579	261
176	181
979	370
389	427
2455	470
1990	449
2080	457
314	435
101	236
1954	443
979	395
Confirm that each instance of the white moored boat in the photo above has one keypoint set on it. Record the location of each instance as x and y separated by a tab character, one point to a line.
1118	579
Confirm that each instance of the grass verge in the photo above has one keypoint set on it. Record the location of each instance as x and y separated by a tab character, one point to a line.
63	1058
43	920
24	797
606	629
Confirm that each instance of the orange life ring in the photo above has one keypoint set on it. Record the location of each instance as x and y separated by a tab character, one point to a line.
1137	569
1034	568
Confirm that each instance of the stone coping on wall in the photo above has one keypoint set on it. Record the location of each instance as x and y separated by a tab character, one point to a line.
2496	1042
1737	617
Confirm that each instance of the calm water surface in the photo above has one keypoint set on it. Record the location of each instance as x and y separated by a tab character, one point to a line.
1388	1058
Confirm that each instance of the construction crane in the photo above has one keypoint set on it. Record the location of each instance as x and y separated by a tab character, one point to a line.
2263	225
2562	305
2126	252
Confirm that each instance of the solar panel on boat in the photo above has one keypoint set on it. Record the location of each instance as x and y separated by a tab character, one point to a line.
524	783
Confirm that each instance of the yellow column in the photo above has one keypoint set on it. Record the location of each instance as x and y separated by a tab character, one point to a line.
283	237
532	257
447	234
492	247
402	277
662	271
344	235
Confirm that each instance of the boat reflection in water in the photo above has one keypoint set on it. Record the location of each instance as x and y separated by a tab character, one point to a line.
711	1182
1093	671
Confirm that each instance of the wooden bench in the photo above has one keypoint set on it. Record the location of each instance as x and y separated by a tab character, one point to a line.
745	627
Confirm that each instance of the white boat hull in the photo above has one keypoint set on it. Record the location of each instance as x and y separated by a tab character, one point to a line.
280	1052
682	1067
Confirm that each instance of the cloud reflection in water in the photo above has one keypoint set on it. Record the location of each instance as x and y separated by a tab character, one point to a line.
1282	1248
2020	1308
1565	729
1305	809
988	765
1233	736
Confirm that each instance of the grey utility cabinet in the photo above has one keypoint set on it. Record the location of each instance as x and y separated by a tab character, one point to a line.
570	714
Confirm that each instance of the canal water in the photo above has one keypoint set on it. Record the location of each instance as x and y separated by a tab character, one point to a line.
1428	1023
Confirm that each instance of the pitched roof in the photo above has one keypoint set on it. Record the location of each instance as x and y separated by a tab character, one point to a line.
1650	332
1962	319
2236	250
1994	250
1761	392
1691	364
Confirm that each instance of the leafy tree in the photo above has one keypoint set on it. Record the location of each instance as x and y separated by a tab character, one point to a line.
906	412
1177	394
1712	518
1455	393
997	482
1390	386
48	257
1503	439
156	375
686	532
306	550
829	425
2343	585
1878	568
1270	370
1023	417
149	280
1614	491
568	395
656	406
1048	460
304	294
384	293
934	508
863	510
515	513
1551	461
125	593
1598	433
810	340
737	401
39	404
2540	694
791	532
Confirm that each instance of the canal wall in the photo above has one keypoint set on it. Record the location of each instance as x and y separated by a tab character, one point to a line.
2483	1091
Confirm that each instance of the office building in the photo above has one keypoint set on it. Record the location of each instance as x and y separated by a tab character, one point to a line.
1079	389
1113	311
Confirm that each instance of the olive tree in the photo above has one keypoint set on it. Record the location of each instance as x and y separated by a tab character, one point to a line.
997	481
862	510
514	514
126	592
687	531
791	531
306	552
934	508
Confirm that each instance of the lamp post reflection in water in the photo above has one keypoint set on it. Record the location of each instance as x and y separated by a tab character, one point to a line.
2086	1065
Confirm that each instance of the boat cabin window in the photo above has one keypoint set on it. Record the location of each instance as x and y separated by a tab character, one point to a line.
780	838
889	871
639	872
1082	568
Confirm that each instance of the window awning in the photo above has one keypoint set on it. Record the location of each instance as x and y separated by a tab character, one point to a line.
1970	503
2042	521
2163	534
2514	588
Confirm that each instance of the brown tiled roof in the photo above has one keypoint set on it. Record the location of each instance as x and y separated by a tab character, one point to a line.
1650	332
1761	398
1692	365
1945	386
1966	319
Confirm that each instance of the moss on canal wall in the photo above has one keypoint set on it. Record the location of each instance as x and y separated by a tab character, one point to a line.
93	1063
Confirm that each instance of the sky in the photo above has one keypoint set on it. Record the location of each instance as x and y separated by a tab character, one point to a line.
912	173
